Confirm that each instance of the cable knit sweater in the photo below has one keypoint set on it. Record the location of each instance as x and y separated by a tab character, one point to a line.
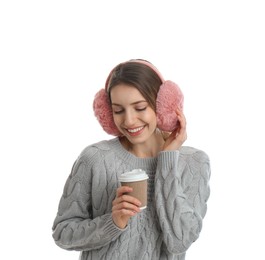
177	194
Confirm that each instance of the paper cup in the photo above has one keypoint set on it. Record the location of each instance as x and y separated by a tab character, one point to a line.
137	179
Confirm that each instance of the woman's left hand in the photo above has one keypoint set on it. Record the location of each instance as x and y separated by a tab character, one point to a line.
178	136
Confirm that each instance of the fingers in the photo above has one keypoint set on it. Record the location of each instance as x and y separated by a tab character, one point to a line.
124	206
181	118
123	189
124	199
179	135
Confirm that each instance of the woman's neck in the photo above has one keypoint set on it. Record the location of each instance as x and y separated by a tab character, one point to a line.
150	148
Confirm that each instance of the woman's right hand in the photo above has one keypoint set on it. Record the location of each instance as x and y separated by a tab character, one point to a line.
175	140
124	207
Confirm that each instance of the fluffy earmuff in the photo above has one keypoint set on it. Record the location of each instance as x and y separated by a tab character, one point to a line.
169	98
103	113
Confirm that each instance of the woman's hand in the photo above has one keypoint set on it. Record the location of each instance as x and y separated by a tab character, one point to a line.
124	207
178	136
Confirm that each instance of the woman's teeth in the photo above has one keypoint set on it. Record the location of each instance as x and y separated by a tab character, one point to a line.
135	129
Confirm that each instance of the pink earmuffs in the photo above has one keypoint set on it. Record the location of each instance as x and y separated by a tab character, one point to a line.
169	98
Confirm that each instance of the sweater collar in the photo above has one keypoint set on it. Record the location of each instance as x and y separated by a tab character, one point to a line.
136	162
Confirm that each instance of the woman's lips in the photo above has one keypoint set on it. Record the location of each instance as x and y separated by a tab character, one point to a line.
135	131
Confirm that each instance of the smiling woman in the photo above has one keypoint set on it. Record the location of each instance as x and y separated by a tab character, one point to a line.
97	215
133	116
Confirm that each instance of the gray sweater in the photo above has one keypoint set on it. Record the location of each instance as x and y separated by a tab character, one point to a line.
177	194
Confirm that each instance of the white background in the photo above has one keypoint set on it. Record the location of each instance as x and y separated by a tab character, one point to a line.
54	57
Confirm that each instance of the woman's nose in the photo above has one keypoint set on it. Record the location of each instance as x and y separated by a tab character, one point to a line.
129	119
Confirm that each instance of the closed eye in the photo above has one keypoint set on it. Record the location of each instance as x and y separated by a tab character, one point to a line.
118	112
140	109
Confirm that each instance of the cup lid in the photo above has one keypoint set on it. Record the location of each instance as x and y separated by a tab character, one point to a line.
134	175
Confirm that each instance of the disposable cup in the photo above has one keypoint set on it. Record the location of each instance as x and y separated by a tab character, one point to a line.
137	180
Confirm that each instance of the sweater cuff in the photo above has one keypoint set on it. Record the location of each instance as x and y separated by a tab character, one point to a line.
110	229
168	159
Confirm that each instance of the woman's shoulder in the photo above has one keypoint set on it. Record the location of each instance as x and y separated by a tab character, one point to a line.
95	149
194	153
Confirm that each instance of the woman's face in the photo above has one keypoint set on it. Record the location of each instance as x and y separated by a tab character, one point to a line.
132	115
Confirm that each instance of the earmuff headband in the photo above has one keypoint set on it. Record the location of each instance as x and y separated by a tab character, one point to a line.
150	65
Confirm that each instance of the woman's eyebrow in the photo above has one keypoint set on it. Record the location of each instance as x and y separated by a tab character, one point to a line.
134	103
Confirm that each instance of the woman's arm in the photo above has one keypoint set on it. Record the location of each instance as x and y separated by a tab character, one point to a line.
181	194
74	227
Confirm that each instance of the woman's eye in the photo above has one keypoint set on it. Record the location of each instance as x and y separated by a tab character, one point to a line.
117	112
120	111
141	109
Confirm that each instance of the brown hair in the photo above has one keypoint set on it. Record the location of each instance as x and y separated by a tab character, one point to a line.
138	75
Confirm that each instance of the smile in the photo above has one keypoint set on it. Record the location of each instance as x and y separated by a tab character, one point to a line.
135	130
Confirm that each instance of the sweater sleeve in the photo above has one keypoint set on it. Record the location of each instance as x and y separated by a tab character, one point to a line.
181	194
74	227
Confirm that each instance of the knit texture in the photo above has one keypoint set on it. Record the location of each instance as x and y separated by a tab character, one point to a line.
178	191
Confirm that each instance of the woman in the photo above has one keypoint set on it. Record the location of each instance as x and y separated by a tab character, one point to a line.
96	215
